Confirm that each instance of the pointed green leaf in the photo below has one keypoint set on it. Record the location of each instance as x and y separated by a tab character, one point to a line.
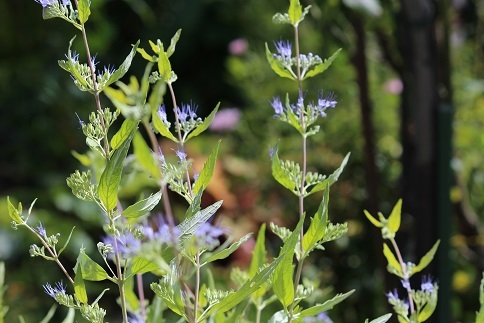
161	127
141	265
277	66
14	212
204	125
317	228
189	226
382	319
245	291
374	221
142	207
259	259
194	205
429	307
295	11
111	176
164	66
206	172
283	285
174	40
222	253
67	242
318	69
326	306
145	55
392	260
332	178
279	173
426	259
395	216
123	133
124	67
90	269
83	10
70	317
292	119
144	156
79	287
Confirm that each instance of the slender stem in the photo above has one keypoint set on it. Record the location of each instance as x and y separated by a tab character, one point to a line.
52	253
94	83
178	129
197	286
404	272
120	276
302	186
141	294
259	310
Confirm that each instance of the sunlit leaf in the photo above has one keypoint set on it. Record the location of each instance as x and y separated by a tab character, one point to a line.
395	216
318	69
426	259
392	260
207	171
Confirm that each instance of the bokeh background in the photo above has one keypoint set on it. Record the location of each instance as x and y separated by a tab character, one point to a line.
410	86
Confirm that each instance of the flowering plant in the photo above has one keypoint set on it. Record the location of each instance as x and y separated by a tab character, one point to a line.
179	252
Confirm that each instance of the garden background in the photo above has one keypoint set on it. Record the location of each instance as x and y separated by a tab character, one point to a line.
410	82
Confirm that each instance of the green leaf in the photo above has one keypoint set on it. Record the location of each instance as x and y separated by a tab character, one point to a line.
277	66
259	258
79	287
292	119
83	10
142	207
392	261
279	173
142	265
111	176
130	296
67	242
206	172
395	216
89	268
317	228
69	66
326	306
123	133
283	285
259	254
189	226
429	307
161	127
204	125
174	40
246	290
426	259
331	178
374	221
222	253
144	156
14	212
123	68
295	12
164	66
70	317
194	205
145	55
381	319
318	69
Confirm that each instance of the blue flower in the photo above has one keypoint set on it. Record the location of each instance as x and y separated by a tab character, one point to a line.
41	230
207	236
162	113
181	154
326	102
406	284
125	245
187	111
277	105
392	295
135	319
52	291
324	318
284	48
427	285
46	3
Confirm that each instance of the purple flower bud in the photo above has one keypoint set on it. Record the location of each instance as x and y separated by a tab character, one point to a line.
392	295
406	284
187	111
427	285
277	106
284	48
52	291
41	230
162	113
181	154
207	236
46	3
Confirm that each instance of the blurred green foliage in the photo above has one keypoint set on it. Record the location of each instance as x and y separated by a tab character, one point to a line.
38	128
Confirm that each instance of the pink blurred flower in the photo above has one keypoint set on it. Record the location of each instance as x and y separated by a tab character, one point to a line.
394	86
238	46
226	120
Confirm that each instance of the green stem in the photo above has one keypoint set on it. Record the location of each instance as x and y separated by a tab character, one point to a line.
197	286
404	272
120	276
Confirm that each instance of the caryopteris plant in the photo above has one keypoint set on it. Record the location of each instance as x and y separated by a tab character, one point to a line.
418	304
179	248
